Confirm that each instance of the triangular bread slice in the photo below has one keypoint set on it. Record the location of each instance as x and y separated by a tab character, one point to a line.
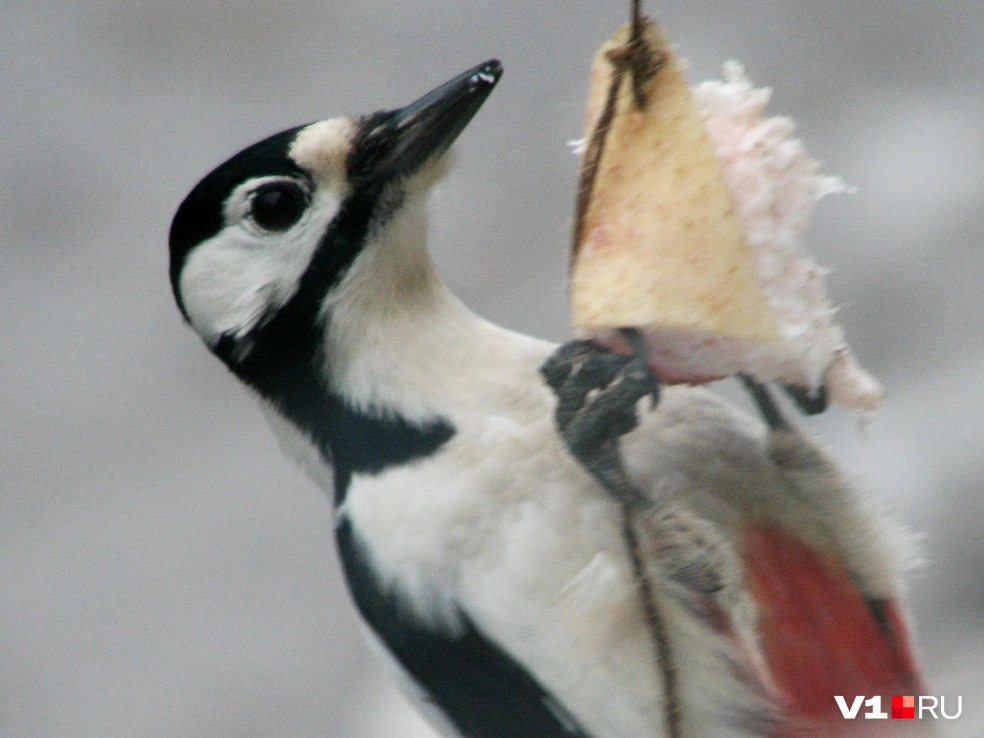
691	233
660	241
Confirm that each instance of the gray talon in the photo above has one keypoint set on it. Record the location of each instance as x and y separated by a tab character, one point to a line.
597	392
638	342
809	402
763	400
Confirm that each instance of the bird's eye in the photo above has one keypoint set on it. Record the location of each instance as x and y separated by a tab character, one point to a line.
277	206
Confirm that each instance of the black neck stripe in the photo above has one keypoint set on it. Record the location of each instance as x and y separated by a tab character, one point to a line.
283	365
481	689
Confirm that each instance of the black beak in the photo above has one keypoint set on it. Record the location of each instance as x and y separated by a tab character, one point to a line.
397	143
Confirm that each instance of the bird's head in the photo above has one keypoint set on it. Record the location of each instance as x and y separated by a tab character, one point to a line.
267	242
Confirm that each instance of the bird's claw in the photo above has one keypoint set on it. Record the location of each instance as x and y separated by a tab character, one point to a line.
597	392
808	402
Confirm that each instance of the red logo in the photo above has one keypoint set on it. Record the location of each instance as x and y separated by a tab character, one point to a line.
904	707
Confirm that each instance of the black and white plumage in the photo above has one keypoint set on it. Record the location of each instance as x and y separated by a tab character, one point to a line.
482	556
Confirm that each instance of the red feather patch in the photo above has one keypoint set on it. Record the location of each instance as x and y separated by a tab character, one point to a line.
820	635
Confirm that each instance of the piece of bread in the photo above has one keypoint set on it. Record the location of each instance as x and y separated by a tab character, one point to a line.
691	234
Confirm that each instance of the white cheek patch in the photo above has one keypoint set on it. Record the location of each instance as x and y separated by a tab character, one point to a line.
232	281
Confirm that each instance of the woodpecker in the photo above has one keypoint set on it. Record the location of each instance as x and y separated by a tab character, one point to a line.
483	550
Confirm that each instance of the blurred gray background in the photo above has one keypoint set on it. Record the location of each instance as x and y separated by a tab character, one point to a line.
163	571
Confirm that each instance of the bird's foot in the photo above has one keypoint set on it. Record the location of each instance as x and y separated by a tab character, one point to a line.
597	393
809	403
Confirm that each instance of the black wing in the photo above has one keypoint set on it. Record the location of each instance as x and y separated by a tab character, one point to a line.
483	691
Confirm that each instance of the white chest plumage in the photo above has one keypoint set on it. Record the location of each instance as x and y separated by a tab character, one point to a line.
502	526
